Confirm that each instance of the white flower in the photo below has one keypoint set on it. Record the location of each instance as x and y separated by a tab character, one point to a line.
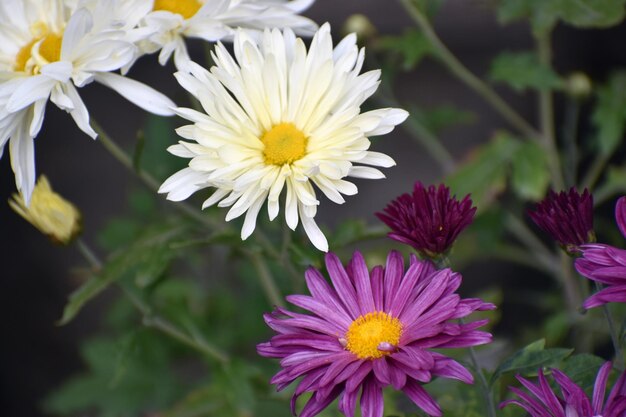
50	47
279	118
212	20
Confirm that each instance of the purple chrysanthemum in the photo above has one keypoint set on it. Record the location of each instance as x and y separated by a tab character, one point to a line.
606	265
574	401
373	329
428	220
567	217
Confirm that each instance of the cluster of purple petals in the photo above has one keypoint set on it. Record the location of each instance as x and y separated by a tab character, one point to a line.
567	217
310	346
541	401
606	265
428	220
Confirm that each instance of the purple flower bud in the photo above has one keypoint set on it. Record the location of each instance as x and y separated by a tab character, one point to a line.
567	217
429	220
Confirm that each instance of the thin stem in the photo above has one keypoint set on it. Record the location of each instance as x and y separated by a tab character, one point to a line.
150	319
571	285
546	116
119	154
461	72
271	250
491	406
619	355
570	134
267	279
532	243
595	171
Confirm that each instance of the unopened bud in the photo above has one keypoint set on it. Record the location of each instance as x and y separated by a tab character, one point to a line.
50	213
578	85
361	25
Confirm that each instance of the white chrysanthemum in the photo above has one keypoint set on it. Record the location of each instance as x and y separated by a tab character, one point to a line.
50	47
280	118
174	20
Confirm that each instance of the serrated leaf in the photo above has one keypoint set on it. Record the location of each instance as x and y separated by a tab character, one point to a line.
437	118
582	369
543	14
609	115
144	260
484	174
531	175
410	47
522	70
530	359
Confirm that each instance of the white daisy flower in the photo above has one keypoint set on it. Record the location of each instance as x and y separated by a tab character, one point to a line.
50	47
279	118
174	20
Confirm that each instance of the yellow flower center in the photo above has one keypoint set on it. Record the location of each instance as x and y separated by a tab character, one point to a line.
49	50
371	336
185	8
284	144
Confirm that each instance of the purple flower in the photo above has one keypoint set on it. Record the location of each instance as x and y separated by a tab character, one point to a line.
370	330
541	401
606	265
566	217
429	220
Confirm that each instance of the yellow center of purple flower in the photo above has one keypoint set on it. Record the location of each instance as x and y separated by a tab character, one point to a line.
49	50
373	335
185	8
284	144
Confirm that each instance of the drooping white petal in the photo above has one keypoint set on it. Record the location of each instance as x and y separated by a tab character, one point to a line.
137	93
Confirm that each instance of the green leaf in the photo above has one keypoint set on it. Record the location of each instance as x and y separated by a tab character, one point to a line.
592	13
484	174
530	359
522	70
531	175
544	14
582	369
438	118
609	115
409	48
144	260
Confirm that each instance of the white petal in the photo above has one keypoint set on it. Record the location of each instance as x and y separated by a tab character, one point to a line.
79	112
183	184
30	90
250	221
366	172
137	93
60	71
313	232
22	149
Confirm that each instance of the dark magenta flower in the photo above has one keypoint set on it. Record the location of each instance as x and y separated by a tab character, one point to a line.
428	220
541	401
370	330
567	217
606	264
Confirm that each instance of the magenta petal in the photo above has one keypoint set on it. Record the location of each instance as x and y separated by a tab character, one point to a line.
428	297
449	368
337	367
317	403
356	379
397	376
372	399
620	215
321	290
394	270
340	321
347	404
599	387
615	294
342	283
378	287
361	277
422	399
404	291
381	370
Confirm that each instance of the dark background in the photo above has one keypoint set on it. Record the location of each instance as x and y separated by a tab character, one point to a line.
36	355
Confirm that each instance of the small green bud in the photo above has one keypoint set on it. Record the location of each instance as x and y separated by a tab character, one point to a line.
578	85
361	25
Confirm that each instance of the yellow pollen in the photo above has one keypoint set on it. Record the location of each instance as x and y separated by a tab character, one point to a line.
185	8
49	50
284	144
367	332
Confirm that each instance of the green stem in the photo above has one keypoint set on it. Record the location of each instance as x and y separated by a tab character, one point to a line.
596	170
487	394
267	279
619	355
546	116
570	134
542	254
149	318
461	72
118	153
